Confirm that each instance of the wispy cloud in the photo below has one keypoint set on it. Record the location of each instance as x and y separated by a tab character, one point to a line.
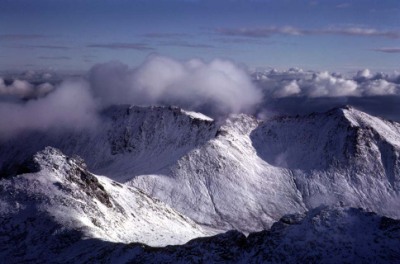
52	47
162	35
240	41
11	37
259	32
388	50
116	46
185	44
343	5
54	58
288	30
49	47
176	40
358	31
89	56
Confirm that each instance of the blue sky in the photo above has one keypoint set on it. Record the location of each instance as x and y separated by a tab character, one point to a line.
319	35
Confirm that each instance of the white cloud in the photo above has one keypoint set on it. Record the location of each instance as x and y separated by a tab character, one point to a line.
288	90
381	87
18	88
194	84
219	87
366	73
324	84
70	106
22	89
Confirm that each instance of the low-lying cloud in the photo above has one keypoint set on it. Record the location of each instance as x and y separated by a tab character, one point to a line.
71	105
301	92
38	101
219	86
23	89
296	82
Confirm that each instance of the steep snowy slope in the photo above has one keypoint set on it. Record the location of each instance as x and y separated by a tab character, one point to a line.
342	155
129	141
224	183
244	174
251	174
60	202
323	235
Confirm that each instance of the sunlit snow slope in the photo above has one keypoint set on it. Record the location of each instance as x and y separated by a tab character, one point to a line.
252	173
59	202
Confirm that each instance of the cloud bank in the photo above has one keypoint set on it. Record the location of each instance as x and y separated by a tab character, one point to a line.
219	86
295	82
23	89
71	105
300	92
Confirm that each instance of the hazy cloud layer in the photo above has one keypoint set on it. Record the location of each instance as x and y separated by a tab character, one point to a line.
163	35
54	58
22	89
220	86
54	47
71	105
217	88
116	46
185	44
12	37
293	31
388	50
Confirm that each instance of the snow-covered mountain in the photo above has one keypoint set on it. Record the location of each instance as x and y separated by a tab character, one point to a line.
343	155
225	184
129	141
322	235
243	174
254	172
60	203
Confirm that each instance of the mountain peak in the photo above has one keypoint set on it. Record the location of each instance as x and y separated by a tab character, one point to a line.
357	118
118	111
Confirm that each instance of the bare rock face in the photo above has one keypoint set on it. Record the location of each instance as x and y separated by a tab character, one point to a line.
74	171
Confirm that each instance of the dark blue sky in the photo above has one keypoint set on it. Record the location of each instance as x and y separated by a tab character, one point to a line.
320	35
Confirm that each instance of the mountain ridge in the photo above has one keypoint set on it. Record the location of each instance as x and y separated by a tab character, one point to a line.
198	166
